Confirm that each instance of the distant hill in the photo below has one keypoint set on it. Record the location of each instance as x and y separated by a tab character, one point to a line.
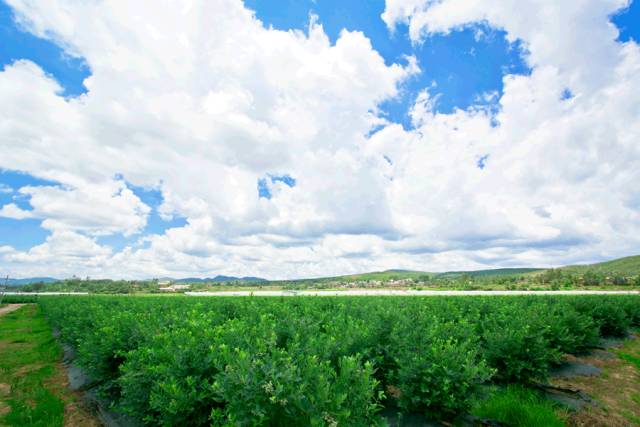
29	280
397	274
628	265
491	272
220	278
373	276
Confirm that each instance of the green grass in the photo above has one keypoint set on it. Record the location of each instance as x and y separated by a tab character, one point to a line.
28	358
518	406
631	358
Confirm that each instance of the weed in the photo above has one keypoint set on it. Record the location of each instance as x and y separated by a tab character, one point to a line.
519	406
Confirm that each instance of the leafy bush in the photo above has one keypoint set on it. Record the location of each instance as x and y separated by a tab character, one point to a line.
516	346
320	361
167	382
609	315
631	308
278	389
437	366
569	331
19	299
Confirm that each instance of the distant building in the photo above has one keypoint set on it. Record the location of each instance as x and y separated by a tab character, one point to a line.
174	288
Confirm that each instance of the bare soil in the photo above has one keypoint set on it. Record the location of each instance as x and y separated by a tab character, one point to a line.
9	308
616	391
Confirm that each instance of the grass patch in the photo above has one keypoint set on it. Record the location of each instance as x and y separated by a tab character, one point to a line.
519	406
28	363
630	353
635	360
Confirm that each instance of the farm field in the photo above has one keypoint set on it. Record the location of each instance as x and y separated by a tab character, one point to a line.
292	213
332	361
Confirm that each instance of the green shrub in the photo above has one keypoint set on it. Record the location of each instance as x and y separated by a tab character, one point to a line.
19	299
278	389
167	381
569	331
437	367
609	315
320	361
631	307
515	345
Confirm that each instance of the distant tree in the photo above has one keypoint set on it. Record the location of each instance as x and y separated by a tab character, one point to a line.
592	278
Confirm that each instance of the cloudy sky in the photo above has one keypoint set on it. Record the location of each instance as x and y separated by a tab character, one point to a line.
300	138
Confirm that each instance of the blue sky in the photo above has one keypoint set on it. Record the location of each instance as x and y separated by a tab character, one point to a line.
461	68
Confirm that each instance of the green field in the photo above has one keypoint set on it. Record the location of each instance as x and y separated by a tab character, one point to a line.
329	361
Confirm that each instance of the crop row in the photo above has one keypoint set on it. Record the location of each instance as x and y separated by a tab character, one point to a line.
322	361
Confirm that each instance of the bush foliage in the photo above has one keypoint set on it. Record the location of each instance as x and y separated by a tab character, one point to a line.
321	360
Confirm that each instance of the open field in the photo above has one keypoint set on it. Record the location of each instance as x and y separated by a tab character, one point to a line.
332	361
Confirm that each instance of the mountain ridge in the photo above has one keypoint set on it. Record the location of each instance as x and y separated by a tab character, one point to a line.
629	265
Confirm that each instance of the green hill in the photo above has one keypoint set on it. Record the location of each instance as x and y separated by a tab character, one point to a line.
408	274
491	272
628	266
387	275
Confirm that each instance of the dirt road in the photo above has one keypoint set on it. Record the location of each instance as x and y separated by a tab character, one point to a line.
9	308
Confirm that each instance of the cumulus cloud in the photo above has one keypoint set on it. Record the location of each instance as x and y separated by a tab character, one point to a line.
200	100
13	211
96	208
568	158
62	254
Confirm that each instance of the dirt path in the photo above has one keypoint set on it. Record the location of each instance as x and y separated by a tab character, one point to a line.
9	308
616	390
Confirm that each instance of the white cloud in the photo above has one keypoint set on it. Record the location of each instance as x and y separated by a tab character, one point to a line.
13	211
62	254
200	100
95	208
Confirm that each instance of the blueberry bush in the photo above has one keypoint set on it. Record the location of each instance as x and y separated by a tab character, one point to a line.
321	360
